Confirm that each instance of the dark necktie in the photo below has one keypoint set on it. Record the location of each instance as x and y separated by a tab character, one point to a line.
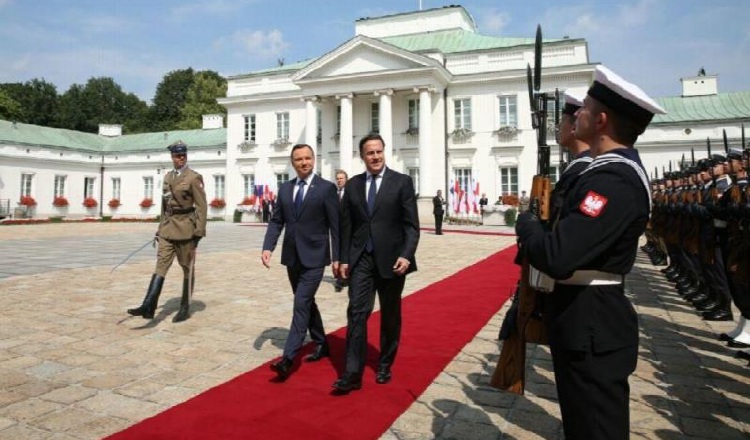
300	195
371	194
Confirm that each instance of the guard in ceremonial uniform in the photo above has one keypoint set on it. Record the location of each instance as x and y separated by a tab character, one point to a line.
183	224
592	326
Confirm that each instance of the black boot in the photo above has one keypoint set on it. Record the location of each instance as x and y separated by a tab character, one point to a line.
148	308
184	312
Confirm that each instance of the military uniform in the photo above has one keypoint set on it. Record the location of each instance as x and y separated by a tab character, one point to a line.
182	226
592	326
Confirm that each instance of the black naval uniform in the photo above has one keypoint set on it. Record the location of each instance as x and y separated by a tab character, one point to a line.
592	326
567	179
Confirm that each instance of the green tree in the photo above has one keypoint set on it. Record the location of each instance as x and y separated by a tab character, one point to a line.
37	99
201	99
72	110
10	110
170	98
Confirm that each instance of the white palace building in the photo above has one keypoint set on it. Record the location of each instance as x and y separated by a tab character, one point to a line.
451	104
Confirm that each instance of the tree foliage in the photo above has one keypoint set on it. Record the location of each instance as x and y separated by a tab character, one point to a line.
181	98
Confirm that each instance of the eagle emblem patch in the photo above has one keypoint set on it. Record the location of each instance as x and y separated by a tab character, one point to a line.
593	204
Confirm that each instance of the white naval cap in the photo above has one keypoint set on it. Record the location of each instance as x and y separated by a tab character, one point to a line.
573	101
624	98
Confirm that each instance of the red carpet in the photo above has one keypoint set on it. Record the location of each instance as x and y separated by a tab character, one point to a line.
438	321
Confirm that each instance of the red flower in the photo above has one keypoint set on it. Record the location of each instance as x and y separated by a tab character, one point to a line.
90	202
147	203
27	201
218	203
249	200
60	202
114	203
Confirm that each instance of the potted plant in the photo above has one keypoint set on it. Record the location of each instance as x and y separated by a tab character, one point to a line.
506	130
60	202
147	203
218	203
90	202
412	131
114	203
248	200
461	134
27	201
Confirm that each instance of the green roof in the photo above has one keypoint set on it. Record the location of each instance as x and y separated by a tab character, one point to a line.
722	106
36	135
456	40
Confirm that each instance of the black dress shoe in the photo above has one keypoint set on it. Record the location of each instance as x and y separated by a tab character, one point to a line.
282	368
718	315
320	352
743	355
725	337
737	344
348	382
383	376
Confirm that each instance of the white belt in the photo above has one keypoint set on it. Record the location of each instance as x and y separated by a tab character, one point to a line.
592	278
720	223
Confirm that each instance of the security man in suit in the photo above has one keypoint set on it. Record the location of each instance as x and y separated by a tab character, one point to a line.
438	212
379	237
183	225
307	209
593	328
341	178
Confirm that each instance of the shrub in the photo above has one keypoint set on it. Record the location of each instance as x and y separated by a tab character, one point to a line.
90	202
56	219
106	218
237	217
60	202
510	217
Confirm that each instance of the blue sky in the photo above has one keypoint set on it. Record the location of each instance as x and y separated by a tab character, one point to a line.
649	42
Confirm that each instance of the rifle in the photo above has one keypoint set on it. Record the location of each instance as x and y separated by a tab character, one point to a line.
510	372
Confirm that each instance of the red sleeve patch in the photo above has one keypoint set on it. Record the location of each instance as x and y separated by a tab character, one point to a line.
593	204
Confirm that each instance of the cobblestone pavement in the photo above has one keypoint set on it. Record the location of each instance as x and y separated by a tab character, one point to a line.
73	365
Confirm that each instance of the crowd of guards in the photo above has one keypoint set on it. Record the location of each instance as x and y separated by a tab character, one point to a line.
700	230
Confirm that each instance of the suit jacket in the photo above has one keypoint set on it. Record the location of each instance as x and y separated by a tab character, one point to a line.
183	207
312	235
394	225
437	205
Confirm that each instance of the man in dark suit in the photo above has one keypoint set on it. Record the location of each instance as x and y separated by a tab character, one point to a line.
438	212
379	237
308	210
341	178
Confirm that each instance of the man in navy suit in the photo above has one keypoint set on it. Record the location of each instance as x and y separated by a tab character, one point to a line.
307	208
379	236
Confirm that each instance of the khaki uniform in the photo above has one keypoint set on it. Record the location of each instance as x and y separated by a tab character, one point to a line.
183	216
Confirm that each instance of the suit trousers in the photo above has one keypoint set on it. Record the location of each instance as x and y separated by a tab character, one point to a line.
363	285
168	249
439	223
594	393
306	316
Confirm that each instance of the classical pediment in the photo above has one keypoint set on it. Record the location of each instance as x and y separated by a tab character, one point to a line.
363	55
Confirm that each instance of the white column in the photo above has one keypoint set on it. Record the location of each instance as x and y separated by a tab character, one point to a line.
311	127
386	122
426	184
346	135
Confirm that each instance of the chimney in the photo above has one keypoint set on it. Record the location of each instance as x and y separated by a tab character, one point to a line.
110	130
213	121
700	85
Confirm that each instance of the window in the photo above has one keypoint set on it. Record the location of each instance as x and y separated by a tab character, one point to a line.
508	112
116	188
148	188
554	174
249	134
60	186
508	180
414	113
282	125
414	174
462	113
281	178
338	119
319	134
88	187
463	177
26	184
219	186
375	117
248	184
